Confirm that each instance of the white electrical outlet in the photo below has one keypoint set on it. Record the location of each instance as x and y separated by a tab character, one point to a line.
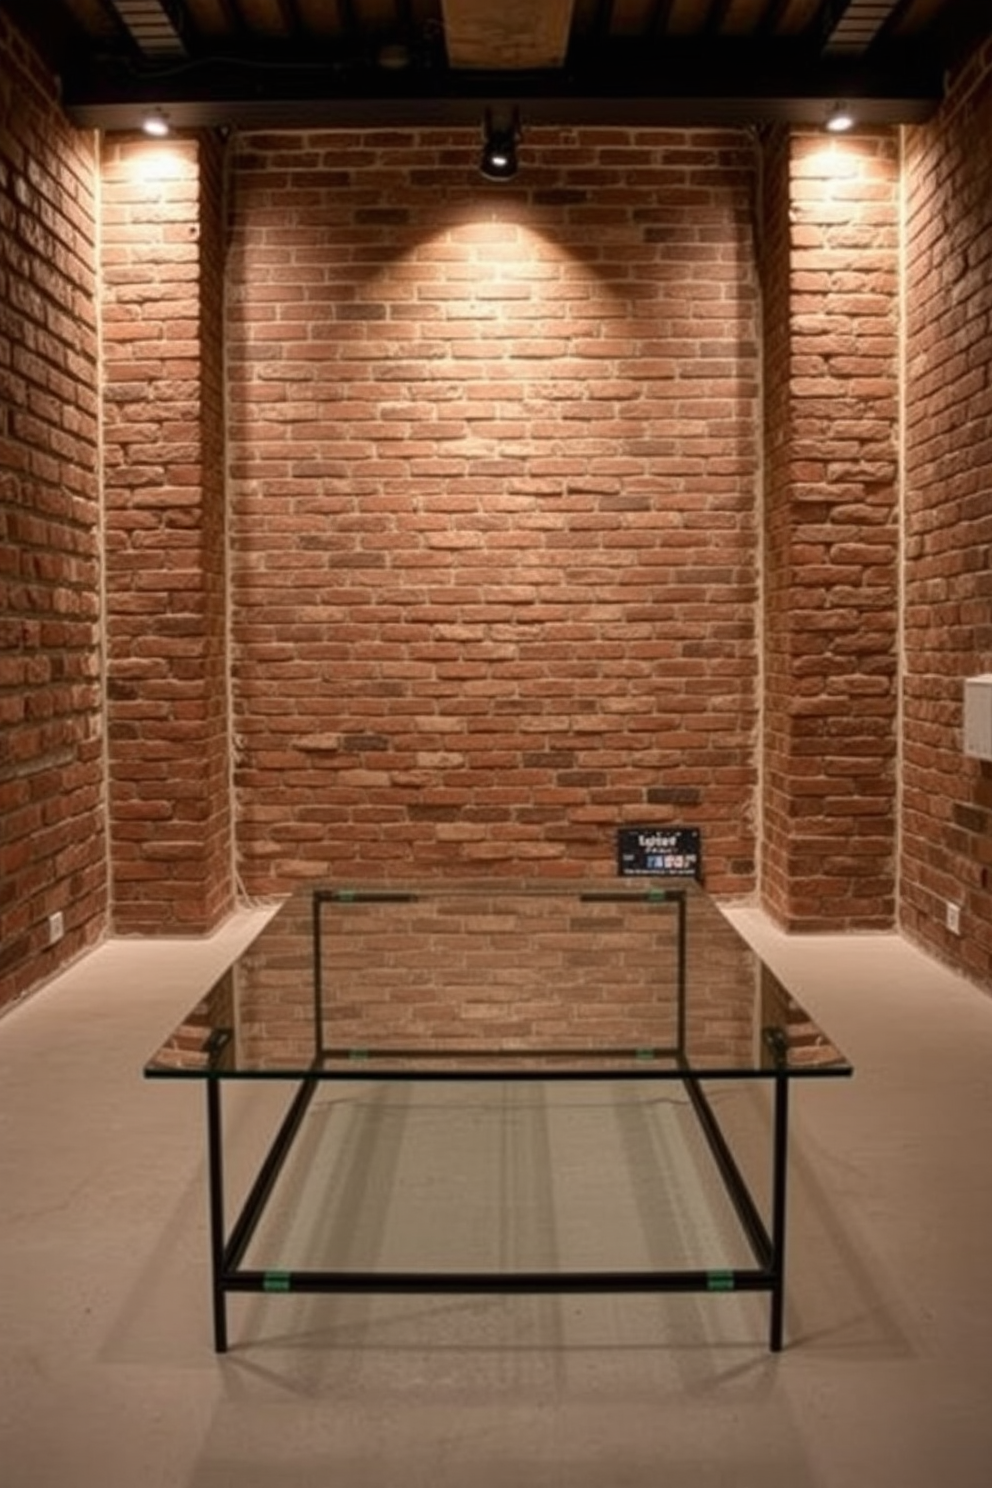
952	917
56	927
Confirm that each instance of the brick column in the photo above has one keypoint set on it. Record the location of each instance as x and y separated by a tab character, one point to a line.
162	265
830	276
946	835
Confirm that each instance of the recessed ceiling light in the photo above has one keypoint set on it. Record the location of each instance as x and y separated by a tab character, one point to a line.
155	124
840	119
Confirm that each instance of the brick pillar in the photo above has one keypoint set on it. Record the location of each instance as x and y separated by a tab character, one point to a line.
162	265
830	277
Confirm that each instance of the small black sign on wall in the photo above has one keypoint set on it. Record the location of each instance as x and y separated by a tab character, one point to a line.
659	852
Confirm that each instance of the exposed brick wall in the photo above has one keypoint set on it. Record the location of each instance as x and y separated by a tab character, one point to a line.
493	462
52	838
162	257
776	555
494	454
947	826
216	816
830	278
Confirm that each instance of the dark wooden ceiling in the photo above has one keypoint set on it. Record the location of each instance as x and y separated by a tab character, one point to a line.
301	63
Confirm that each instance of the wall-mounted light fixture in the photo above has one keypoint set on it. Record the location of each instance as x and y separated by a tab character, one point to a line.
499	147
156	124
839	119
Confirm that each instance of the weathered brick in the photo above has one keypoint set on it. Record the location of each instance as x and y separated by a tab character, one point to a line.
830	588
51	832
493	524
523	638
166	661
948	413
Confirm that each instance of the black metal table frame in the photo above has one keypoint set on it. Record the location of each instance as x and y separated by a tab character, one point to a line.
767	1242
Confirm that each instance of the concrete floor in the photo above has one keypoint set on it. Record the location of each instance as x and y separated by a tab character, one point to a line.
107	1376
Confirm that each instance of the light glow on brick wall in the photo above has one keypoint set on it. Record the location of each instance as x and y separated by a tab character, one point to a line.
835	158
151	162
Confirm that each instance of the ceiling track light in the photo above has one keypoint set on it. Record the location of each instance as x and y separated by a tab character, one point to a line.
499	147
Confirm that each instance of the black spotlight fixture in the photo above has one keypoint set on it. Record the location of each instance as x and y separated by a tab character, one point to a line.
499	148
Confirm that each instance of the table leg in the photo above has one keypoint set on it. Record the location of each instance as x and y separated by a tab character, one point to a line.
780	1159
215	1180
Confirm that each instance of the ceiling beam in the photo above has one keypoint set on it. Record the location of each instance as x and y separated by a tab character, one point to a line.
666	85
516	35
853	26
152	27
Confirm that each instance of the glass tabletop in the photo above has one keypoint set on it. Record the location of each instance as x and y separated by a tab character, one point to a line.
553	979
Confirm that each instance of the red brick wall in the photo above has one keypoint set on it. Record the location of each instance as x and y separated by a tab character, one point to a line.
162	260
830	276
947	818
52	837
494	461
493	456
217	894
776	552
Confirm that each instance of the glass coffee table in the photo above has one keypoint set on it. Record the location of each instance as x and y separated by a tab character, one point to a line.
545	1078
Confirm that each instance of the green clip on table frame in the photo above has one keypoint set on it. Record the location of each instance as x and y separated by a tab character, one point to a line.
594	984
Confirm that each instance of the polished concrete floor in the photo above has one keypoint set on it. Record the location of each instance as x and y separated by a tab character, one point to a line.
108	1378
